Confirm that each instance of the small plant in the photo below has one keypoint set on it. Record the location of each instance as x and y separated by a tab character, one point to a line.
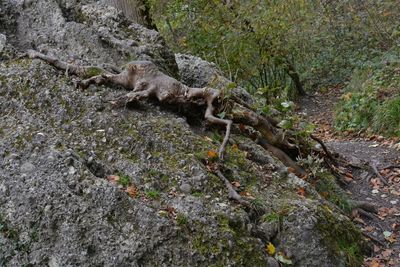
153	194
197	194
257	204
181	219
270	217
154	172
124	180
312	163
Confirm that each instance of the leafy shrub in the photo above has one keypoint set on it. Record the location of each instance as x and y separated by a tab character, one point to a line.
356	111
372	98
387	118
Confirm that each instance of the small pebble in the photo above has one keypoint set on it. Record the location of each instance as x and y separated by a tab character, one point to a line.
185	188
27	167
375	191
71	170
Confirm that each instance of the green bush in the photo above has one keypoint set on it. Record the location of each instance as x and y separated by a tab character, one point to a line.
387	118
356	112
372	100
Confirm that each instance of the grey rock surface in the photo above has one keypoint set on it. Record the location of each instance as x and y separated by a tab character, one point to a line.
3	40
59	206
88	32
197	72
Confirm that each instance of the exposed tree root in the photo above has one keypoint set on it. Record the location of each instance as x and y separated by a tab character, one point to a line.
374	239
375	170
365	214
145	81
364	205
232	192
325	149
391	167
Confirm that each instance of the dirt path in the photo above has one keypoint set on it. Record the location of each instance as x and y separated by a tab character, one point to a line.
372	152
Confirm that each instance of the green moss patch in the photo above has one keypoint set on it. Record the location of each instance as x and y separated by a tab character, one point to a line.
92	71
341	236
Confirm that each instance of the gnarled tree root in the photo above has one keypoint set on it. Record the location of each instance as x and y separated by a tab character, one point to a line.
145	81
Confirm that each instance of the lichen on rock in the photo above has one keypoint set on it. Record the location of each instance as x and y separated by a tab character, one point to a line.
59	144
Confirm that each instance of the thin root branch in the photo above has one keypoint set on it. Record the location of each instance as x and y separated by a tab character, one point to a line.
232	192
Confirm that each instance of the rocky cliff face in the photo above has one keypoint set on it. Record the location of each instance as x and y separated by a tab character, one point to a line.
58	145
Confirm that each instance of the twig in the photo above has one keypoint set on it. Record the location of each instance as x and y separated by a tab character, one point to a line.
232	192
328	153
366	214
364	205
391	167
373	166
374	239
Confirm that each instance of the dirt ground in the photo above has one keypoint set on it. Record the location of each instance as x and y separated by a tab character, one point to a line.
382	227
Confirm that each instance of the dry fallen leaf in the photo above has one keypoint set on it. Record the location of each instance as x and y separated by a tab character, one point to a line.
301	191
236	184
374	263
132	191
212	154
386	253
375	183
369	228
245	194
113	178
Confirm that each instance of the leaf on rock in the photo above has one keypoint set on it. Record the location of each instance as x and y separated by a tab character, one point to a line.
270	248
236	184
301	191
132	191
113	178
282	258
212	154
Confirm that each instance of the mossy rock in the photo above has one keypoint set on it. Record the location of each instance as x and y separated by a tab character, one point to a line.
342	237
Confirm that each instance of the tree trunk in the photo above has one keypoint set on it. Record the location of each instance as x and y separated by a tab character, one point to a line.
136	10
291	71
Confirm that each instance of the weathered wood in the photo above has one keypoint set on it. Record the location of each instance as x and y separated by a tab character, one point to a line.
144	81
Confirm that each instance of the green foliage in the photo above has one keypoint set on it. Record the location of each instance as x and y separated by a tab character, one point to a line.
356	112
262	44
181	219
371	101
270	47
341	236
387	118
312	163
326	185
92	71
270	217
124	180
154	194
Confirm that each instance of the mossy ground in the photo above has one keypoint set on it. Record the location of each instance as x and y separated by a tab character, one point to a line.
341	236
